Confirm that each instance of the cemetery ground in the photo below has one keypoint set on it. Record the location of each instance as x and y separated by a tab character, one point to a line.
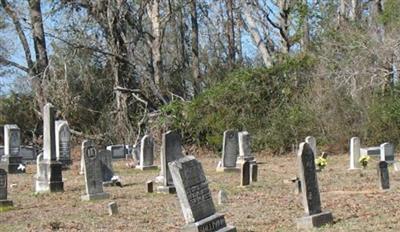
270	204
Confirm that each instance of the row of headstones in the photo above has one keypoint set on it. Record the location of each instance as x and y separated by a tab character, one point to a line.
15	154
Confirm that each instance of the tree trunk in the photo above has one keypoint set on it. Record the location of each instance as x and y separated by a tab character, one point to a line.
230	33
154	13
195	46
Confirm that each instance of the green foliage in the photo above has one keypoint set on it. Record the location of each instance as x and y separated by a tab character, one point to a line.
390	16
264	102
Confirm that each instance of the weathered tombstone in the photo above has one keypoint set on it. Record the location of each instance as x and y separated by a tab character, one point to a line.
28	154
171	150
149	186
42	178
12	145
253	173
195	197
313	144
354	153
387	152
63	143
245	174
93	176
117	151
230	152
383	175
3	190
135	152
49	163
107	171
146	160
310	192
222	197
112	208
245	147
371	151
85	143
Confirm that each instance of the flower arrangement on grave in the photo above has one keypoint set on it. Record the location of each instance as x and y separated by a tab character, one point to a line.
364	160
321	162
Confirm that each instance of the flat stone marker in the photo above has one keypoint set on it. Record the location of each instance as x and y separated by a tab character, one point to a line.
383	175
314	217
230	152
313	144
355	153
49	164
112	208
3	190
387	152
63	143
171	150
195	197
245	174
12	145
93	175
146	161
117	151
107	171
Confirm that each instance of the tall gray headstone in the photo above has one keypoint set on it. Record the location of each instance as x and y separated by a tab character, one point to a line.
230	152
12	147
387	152
313	144
63	143
314	217
93	175
146	160
3	190
245	147
195	197
354	153
107	171
383	175
171	150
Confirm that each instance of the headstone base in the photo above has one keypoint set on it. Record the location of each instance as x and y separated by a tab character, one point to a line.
166	189
316	220
6	203
215	222
228	169
55	181
143	168
65	163
92	197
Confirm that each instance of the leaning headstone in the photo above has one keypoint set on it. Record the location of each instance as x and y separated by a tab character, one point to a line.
230	152
3	190
107	171
49	163
171	150
63	143
245	174
117	151
354	153
383	175
12	145
195	197
146	161
93	175
314	217
387	152
313	144
112	208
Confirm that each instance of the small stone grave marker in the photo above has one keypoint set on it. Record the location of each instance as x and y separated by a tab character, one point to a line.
3	190
383	175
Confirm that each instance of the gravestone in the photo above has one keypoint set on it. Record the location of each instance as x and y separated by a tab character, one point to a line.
112	208
93	175
149	186
195	197
63	143
383	175
52	167
12	158
42	172
3	190
107	171
230	152
314	217
253	173
245	174
354	153
245	147
84	144
146	161
387	152
135	151
313	144
1	151
371	151
117	151
222	197
28	154
171	150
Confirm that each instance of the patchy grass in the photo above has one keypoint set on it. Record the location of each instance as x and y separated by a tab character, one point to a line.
354	199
